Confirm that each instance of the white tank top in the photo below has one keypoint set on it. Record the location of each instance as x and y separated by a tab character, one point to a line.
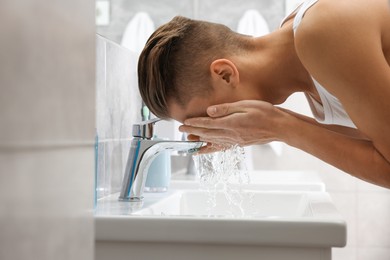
331	111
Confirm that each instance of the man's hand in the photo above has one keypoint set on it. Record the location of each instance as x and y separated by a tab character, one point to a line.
244	123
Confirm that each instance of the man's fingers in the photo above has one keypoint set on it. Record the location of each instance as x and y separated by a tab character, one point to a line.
208	149
192	137
224	109
218	113
241	106
203	122
211	148
204	132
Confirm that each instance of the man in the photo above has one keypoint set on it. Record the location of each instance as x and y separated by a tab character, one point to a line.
223	86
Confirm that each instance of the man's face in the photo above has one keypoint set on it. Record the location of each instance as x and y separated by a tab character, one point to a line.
195	108
198	105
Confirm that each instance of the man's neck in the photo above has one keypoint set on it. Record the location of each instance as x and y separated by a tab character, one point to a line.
276	68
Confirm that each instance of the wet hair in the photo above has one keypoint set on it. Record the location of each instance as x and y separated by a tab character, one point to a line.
174	64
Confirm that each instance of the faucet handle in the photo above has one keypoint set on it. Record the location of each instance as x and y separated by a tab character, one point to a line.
144	129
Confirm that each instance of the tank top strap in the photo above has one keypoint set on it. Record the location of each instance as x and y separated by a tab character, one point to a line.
287	17
301	13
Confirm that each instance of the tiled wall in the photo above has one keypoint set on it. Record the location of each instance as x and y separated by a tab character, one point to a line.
365	207
118	107
227	12
47	108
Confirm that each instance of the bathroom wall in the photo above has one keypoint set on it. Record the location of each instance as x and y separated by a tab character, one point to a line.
118	107
365	206
121	12
47	115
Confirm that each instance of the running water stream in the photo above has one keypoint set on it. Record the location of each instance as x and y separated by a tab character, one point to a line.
222	174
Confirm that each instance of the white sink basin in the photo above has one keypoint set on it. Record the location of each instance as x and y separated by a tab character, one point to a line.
265	218
248	204
269	181
262	223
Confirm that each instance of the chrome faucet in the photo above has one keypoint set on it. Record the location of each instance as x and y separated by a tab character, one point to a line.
142	152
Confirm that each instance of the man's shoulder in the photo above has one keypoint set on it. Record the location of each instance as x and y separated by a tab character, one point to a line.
333	24
330	17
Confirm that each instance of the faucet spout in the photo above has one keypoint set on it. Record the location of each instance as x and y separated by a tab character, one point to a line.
142	152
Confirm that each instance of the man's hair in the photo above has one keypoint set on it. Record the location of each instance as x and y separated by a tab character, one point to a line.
174	65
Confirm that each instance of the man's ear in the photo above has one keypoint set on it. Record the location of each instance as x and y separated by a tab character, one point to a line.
225	71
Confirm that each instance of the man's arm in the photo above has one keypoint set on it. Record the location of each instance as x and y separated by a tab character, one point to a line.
356	156
340	44
256	122
351	132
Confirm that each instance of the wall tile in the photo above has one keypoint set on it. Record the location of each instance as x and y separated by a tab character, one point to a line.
348	253
122	11
102	179
366	186
335	179
373	253
374	219
123	101
229	12
295	159
46	204
116	154
112	161
346	204
62	240
46	79
290	159
118	108
113	36
48	177
101	99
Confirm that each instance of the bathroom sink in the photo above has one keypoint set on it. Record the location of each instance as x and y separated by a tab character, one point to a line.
266	181
271	221
246	204
292	218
